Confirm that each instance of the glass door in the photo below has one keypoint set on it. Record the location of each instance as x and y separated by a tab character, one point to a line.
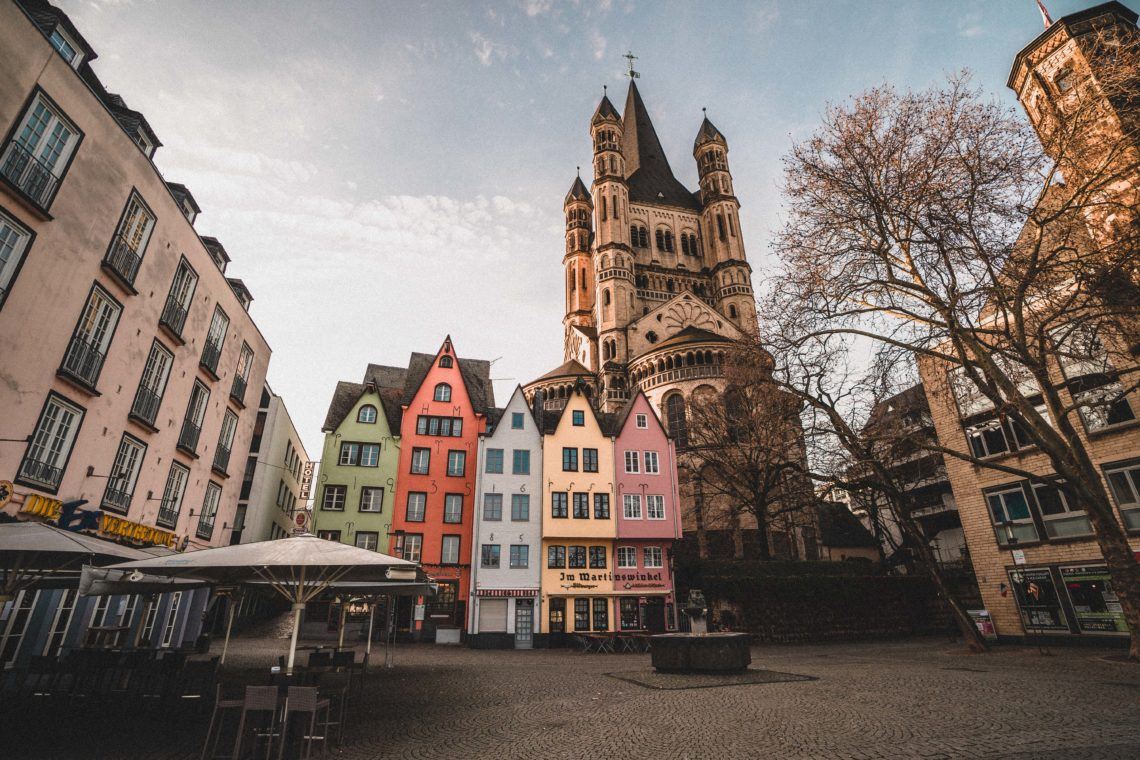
524	624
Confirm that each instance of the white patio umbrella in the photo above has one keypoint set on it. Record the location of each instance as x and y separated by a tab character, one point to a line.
38	554
299	568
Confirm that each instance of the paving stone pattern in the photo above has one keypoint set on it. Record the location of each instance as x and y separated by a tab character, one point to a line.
910	699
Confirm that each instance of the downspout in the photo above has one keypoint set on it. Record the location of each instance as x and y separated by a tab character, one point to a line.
471	616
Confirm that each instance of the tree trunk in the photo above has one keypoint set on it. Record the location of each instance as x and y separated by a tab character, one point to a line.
970	634
1123	568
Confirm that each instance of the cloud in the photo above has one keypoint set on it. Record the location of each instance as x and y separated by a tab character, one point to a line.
534	8
486	50
765	15
970	26
599	43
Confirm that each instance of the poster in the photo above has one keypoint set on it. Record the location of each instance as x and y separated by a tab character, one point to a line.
1037	601
1096	607
984	623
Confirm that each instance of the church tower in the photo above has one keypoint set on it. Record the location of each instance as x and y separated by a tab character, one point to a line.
578	262
720	219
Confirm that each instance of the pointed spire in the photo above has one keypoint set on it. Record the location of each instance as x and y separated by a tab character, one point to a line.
650	178
605	110
708	133
578	192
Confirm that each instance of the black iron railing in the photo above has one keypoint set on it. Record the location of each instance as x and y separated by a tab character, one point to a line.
237	390
222	458
123	260
167	517
83	361
145	406
211	353
173	316
41	472
30	175
188	437
116	500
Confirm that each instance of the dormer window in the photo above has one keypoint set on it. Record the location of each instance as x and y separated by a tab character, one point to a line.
66	47
189	211
1064	80
144	143
445	362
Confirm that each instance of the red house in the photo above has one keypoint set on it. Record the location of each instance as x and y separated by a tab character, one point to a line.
445	408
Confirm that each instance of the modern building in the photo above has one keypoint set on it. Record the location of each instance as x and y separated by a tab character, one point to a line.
1039	568
447	403
658	287
273	483
648	516
507	544
578	524
130	351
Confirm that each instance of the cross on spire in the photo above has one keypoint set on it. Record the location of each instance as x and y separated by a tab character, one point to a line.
629	56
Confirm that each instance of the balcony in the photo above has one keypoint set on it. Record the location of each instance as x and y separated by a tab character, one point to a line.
237	390
205	529
221	459
29	175
123	261
83	362
188	437
41	473
116	500
145	406
211	354
167	518
173	317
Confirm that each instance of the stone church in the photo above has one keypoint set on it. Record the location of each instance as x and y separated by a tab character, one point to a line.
658	286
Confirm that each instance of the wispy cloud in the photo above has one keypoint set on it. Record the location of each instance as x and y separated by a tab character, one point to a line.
486	50
534	8
970	25
598	41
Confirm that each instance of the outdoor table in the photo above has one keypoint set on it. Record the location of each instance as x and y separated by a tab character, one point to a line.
629	642
601	642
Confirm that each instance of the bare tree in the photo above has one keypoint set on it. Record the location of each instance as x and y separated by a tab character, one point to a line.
936	222
746	452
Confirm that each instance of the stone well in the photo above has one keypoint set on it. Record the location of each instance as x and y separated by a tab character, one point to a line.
701	653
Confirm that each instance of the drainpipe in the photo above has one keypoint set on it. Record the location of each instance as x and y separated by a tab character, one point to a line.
479	467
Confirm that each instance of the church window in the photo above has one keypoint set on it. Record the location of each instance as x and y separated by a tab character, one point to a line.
668	241
731	226
606	297
583	277
633	234
720	227
442	392
685	244
675	417
571	282
660	240
603	208
732	311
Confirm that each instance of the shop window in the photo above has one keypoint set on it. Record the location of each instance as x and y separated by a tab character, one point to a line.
1062	520
582	614
1095	605
557	615
1037	600
492	616
601	614
1009	510
1125	483
630	614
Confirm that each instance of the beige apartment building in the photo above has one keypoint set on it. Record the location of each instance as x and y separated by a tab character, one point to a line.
130	365
1038	566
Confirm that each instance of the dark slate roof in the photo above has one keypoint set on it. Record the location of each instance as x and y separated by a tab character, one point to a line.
344	398
605	110
383	376
647	170
240	290
578	191
129	119
708	133
571	368
476	376
46	17
690	334
182	194
215	247
838	527
393	411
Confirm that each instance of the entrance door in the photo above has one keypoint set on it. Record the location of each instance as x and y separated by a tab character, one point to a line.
524	624
654	619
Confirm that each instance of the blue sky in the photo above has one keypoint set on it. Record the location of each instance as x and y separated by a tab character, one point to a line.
386	173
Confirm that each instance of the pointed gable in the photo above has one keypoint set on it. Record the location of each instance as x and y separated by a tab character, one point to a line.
684	313
647	170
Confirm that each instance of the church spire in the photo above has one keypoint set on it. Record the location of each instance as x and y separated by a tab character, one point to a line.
651	179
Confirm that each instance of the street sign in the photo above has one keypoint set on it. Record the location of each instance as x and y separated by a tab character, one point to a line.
1019	556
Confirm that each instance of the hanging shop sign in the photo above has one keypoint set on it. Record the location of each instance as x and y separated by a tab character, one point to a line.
306	481
1095	605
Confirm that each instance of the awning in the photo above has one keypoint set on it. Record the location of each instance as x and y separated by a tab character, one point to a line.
506	592
98	581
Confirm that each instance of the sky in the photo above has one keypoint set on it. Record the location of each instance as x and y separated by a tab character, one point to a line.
384	174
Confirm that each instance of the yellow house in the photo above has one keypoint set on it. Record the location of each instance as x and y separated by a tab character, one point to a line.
578	524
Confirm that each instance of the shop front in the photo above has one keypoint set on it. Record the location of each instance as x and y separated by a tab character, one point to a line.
1067	600
505	619
643	586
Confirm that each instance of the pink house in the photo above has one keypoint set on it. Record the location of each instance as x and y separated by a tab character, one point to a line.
648	518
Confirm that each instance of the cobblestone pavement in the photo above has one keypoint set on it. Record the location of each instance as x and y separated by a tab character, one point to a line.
908	699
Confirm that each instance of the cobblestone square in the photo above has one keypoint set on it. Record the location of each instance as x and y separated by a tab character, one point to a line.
916	698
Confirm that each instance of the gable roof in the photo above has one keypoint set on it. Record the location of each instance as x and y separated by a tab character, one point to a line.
476	374
621	416
572	368
344	398
647	170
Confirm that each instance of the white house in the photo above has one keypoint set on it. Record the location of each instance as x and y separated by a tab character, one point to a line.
507	543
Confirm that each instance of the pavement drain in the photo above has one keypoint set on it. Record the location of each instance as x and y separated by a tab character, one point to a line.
651	679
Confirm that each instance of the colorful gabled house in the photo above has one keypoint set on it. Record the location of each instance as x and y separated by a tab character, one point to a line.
648	517
506	558
578	526
445	408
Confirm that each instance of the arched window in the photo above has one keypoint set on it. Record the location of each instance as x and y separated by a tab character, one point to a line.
442	392
675	419
720	227
445	362
735	412
660	240
731	226
633	234
367	414
685	244
582	273
732	311
643	237
571	282
603	208
668	241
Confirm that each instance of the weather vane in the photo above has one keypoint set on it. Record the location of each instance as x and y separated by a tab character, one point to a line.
629	56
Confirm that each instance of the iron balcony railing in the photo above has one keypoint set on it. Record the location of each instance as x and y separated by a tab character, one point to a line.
211	353
167	517
123	260
41	472
29	174
83	361
116	500
237	391
221	458
205	528
188	437
174	316
146	405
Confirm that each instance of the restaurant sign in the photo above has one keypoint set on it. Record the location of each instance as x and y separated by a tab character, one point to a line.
631	580
52	509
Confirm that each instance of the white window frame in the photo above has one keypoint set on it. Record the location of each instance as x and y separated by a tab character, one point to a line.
372	497
1019	523
59	38
448	500
652	557
652	463
626	557
53	437
60	622
128	460
421	460
413	547
337	504
488	500
978	431
42	107
420	499
98	320
14	241
1129	508
136	226
1094	412
632	462
228	431
369	455
171	619
1070	515
196	412
631	506
452	557
210	502
655	507
370	537
174	491
155	375
454	456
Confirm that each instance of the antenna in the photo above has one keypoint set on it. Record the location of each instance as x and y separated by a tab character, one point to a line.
629	56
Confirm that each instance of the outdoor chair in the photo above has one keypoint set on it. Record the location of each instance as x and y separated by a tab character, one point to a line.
306	700
227	697
259	706
335	686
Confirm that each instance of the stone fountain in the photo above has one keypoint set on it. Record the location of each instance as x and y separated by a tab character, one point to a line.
700	651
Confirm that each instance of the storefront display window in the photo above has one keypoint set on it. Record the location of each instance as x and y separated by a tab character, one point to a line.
581	614
557	615
630	614
601	614
1095	606
1037	601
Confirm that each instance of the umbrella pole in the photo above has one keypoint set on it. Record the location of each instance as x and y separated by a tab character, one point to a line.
298	608
229	626
371	617
343	609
